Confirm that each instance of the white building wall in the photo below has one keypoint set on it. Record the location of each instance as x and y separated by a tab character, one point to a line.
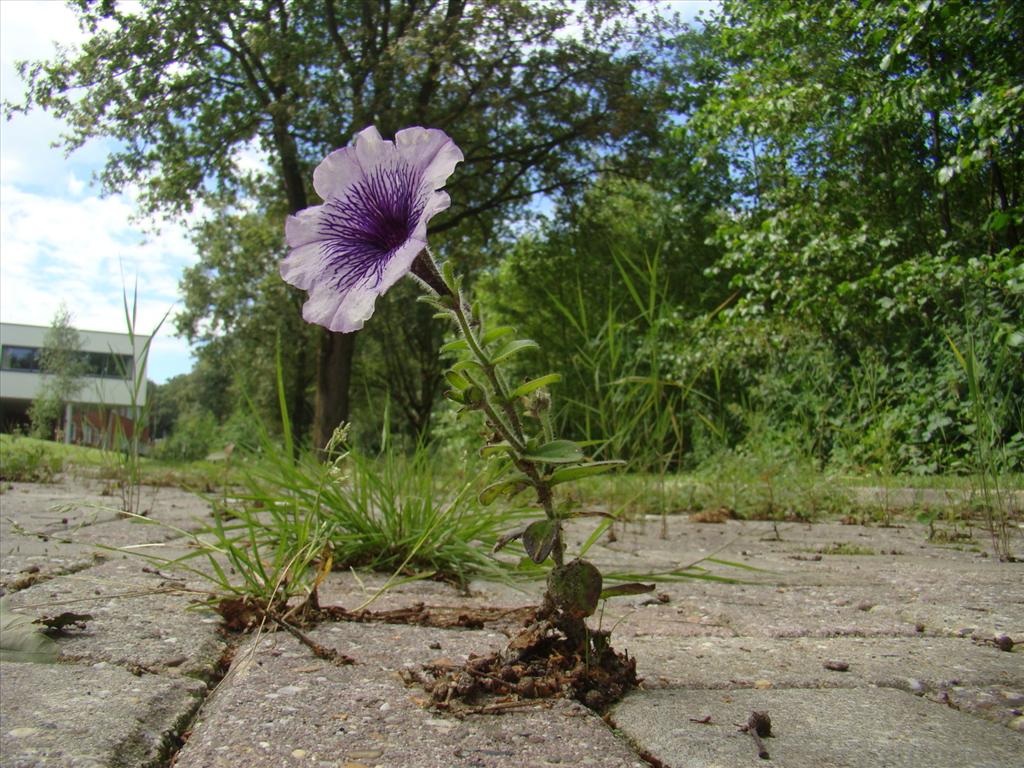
96	390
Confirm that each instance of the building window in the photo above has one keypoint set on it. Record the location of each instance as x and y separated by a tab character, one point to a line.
106	365
19	359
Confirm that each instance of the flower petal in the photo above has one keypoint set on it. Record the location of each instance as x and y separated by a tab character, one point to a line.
303	266
303	227
378	197
431	151
437	202
344	167
401	260
342	312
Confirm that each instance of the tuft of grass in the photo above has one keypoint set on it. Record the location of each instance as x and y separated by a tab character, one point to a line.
843	548
386	512
989	450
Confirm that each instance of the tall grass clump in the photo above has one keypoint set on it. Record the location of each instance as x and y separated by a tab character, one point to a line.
28	460
126	450
629	390
389	511
990	455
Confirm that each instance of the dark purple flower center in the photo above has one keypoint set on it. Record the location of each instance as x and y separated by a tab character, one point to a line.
363	230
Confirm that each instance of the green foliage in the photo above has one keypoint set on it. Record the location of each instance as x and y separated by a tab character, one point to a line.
398	372
235	308
615	284
28	461
873	208
519	442
62	367
402	513
44	414
856	190
989	450
194	437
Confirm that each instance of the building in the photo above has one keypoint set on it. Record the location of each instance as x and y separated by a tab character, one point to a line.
104	402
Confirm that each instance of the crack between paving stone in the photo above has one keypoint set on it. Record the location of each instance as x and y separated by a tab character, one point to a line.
77	567
174	740
640	752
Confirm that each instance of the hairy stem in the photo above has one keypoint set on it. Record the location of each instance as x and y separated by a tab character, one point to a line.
510	427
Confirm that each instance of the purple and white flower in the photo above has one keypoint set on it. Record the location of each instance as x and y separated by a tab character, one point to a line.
378	197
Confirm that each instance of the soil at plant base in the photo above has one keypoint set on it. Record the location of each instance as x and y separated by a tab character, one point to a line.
539	663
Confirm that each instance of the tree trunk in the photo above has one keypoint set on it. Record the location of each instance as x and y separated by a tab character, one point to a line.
1004	202
333	375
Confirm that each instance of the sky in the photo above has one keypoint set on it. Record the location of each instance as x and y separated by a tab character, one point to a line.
60	239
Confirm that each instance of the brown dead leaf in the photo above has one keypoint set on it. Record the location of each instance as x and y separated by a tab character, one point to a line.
720	515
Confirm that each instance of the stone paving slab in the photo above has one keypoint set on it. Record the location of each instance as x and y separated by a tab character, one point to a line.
42	506
978	611
863	728
49	530
745	662
748	540
998	703
929	498
752	611
134	623
279	706
97	716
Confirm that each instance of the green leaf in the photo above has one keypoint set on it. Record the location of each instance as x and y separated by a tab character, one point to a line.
448	273
459	345
512	348
511	486
506	539
496	333
22	641
621	590
456	379
539	538
495	448
566	474
575	588
530	386
556	452
465	365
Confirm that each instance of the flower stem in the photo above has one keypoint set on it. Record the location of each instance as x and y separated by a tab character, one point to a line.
512	429
500	389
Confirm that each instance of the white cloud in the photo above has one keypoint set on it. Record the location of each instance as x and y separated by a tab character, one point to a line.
85	252
59	240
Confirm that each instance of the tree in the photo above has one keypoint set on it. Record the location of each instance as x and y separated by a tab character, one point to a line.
185	86
877	158
874	148
62	367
